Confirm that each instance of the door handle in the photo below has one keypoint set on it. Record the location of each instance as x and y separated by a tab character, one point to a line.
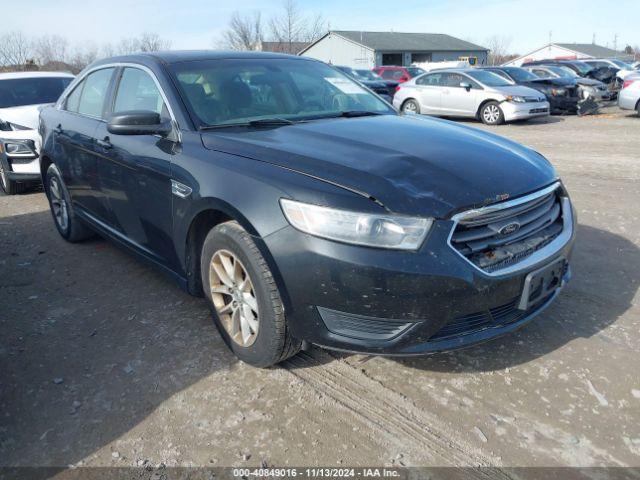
105	143
58	129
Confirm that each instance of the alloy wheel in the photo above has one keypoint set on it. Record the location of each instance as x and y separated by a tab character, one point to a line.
58	204
410	107
233	297
491	113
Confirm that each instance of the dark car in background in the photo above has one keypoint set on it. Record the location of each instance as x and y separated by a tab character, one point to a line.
398	74
303	207
377	85
370	75
605	74
562	93
587	87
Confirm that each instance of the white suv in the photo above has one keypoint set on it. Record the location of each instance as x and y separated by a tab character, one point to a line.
21	97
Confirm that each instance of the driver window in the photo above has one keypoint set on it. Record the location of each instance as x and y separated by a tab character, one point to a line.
138	91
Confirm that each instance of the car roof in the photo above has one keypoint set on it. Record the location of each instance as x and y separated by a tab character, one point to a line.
178	56
14	75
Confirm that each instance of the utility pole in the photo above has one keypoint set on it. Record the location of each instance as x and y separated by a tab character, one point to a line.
615	42
593	41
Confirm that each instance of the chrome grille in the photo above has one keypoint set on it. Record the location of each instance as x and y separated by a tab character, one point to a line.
508	233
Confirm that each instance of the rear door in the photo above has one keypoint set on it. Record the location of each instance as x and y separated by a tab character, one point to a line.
429	88
136	169
80	115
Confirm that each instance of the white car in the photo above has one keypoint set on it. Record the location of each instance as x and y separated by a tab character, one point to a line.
21	97
470	93
629	96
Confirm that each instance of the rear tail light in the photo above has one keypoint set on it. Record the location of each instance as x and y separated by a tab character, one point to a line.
398	88
627	83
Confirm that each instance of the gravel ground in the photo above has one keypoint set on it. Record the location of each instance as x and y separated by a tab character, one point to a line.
105	362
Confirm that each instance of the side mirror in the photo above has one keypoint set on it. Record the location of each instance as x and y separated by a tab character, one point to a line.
465	85
138	122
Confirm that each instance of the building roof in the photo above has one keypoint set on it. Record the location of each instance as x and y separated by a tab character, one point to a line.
591	49
415	42
284	47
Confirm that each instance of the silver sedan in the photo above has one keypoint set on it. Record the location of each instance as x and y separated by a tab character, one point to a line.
470	93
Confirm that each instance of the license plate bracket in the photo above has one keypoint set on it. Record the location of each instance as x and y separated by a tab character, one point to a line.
540	284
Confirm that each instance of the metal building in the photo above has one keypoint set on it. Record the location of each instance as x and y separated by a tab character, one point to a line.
371	49
569	51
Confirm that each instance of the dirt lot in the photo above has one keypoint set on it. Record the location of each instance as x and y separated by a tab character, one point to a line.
106	362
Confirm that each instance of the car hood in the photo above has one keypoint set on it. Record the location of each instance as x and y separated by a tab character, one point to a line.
589	82
555	82
25	116
412	165
519	90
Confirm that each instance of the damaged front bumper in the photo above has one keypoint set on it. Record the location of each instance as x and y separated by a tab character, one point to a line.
389	302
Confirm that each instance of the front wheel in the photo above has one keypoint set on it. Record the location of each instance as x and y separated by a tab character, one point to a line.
244	297
9	186
411	107
491	114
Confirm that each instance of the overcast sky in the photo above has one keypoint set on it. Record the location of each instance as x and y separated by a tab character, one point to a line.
193	24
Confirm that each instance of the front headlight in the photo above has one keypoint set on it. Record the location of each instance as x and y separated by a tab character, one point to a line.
516	99
18	148
373	230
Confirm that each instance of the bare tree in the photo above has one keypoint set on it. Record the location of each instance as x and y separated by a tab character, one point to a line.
244	32
152	42
50	49
15	50
290	26
499	46
81	57
316	27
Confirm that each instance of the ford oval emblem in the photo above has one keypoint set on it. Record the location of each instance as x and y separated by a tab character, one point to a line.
510	228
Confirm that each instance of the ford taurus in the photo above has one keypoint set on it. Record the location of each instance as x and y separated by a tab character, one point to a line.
303	207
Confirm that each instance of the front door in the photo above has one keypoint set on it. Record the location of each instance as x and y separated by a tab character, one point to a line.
457	100
136	171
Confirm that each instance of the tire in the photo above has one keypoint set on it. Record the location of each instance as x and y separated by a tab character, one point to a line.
70	227
491	114
264	339
10	187
638	108
411	107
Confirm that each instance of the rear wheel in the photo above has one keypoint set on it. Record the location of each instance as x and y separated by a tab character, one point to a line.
244	298
638	108
411	106
491	114
70	227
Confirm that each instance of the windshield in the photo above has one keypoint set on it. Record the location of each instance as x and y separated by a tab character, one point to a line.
521	75
564	72
489	79
620	64
584	68
415	71
368	75
17	92
231	91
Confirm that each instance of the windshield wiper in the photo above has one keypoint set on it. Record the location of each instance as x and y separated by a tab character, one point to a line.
359	113
262	122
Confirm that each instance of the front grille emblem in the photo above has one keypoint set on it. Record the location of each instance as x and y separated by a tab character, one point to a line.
510	228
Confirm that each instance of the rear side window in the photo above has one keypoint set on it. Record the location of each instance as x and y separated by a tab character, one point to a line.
92	93
433	79
393	74
138	91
